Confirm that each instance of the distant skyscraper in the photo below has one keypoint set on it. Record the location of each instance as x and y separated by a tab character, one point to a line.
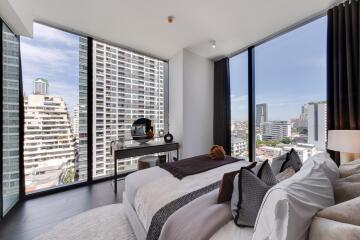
49	146
317	125
10	118
275	130
127	86
75	123
261	113
82	137
40	86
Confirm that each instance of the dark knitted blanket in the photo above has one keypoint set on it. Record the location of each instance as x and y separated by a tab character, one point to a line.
194	165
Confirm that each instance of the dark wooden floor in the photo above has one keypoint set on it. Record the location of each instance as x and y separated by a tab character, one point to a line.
35	216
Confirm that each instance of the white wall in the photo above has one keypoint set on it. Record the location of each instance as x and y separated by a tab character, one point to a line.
191	102
176	96
17	14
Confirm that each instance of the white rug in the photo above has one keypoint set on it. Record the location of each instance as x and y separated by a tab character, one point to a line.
104	223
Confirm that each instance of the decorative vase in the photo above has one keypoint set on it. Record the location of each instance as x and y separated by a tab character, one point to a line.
168	138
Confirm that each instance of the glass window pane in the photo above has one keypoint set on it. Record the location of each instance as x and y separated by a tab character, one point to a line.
239	105
54	65
290	92
10	118
127	86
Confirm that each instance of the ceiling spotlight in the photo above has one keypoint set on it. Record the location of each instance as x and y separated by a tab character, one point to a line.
213	43
170	19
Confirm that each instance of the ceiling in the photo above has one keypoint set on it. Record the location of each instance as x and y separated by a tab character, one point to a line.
142	24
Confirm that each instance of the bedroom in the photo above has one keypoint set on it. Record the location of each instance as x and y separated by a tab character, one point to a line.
180	120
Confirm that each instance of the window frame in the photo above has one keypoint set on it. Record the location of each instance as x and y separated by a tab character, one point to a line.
90	178
251	79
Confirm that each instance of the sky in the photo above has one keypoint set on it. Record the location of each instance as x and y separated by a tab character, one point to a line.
290	70
54	55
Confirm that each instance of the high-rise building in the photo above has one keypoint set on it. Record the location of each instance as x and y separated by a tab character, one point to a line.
49	145
75	123
82	140
302	121
10	118
317	127
40	86
261	113
275	130
238	146
126	86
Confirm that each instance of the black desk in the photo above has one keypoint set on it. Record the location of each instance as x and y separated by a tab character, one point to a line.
139	149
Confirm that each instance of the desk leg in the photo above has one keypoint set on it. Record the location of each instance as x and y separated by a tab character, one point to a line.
177	154
115	175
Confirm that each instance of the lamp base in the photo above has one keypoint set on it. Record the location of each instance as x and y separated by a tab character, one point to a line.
348	157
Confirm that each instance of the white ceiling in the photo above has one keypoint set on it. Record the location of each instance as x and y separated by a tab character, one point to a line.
142	25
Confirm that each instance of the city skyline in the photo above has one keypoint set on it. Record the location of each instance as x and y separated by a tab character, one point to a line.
53	55
295	61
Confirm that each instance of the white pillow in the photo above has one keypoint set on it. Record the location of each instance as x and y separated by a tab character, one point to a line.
288	207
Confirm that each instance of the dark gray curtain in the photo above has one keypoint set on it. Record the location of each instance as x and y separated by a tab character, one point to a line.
222	114
343	68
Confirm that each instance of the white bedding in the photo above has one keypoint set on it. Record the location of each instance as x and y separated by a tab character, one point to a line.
232	232
151	189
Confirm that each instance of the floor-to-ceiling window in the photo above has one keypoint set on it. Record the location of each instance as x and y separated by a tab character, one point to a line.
54	65
10	118
289	86
126	86
290	92
239	105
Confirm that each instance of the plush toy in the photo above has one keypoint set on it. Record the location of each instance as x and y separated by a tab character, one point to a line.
217	152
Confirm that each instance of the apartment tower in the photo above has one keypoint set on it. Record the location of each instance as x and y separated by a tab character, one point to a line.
40	86
317	125
126	86
49	145
261	113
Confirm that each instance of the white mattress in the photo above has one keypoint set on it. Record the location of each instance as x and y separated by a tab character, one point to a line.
135	180
151	189
232	232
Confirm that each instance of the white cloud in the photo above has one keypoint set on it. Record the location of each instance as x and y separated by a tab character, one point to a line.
238	99
53	35
43	55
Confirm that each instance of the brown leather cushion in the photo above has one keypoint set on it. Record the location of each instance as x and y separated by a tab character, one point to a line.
226	187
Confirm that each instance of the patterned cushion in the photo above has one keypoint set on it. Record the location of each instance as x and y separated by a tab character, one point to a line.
285	174
290	159
293	161
226	187
249	191
277	163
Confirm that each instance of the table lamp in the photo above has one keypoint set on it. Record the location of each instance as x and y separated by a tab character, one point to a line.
347	142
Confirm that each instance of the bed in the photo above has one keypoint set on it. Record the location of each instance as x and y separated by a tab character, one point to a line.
160	205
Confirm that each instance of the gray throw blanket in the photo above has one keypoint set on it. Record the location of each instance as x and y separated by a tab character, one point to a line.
165	212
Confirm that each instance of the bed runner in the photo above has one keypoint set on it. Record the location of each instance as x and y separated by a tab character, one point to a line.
195	165
161	216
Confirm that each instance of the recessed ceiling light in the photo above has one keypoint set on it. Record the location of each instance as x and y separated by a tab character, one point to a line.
213	43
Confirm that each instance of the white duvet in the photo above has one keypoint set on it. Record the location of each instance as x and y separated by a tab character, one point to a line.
159	191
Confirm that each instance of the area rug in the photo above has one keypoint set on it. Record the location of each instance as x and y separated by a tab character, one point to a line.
104	223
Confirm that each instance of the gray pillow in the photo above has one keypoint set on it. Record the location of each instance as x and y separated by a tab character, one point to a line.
249	191
293	161
290	159
277	163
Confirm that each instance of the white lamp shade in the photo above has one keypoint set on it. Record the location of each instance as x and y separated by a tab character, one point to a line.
347	141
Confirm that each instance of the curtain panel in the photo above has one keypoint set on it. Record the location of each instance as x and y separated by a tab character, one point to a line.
222	113
343	68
